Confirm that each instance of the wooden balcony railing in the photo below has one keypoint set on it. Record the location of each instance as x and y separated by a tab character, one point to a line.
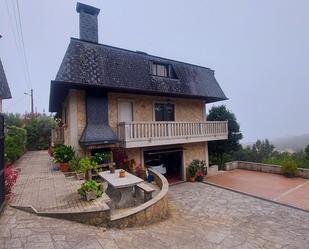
139	134
57	136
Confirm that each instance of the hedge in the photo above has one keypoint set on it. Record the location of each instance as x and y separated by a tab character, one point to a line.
14	143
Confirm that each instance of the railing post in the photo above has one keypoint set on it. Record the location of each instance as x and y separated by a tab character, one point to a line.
127	132
169	133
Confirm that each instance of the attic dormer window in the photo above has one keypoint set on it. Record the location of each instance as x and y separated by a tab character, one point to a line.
159	69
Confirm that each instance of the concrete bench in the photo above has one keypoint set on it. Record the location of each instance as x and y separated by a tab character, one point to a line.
148	190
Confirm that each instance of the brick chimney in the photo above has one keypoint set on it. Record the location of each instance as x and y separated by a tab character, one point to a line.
88	22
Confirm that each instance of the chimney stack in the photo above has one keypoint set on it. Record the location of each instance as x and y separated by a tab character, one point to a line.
88	22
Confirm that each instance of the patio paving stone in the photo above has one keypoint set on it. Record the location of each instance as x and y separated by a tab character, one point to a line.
201	216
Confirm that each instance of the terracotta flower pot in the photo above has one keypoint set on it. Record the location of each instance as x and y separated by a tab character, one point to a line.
122	173
192	179
64	167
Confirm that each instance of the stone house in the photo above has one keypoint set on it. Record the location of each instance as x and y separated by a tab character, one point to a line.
153	107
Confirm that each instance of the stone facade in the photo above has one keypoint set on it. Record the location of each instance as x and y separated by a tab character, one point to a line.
74	114
193	151
185	110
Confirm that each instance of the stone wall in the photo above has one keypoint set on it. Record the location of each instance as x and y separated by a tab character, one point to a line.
75	105
185	109
262	167
96	218
193	151
136	154
81	112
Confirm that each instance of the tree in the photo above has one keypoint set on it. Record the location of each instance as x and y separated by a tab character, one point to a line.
261	151
217	149
307	152
13	119
39	131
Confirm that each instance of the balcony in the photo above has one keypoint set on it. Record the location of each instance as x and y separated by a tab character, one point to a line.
143	134
57	136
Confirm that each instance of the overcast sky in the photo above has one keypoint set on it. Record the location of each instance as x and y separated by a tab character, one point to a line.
259	50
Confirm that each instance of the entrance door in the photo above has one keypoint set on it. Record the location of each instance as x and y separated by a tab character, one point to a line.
125	111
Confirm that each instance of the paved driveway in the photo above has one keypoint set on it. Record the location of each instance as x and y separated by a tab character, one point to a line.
202	216
291	191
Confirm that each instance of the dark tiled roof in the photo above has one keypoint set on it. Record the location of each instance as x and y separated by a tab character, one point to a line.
100	65
5	92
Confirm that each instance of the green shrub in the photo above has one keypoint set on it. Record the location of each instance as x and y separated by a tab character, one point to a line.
289	168
86	164
74	164
192	170
91	185
14	143
63	153
102	157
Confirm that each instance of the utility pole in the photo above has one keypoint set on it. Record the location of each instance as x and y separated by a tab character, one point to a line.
31	96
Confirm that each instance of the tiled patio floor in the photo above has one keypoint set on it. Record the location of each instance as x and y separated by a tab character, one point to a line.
47	190
202	216
291	191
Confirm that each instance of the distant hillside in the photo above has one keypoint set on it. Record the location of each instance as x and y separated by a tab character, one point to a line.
291	143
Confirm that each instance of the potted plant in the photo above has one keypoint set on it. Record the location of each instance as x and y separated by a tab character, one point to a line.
86	165
200	166
199	176
74	166
122	173
102	157
63	154
90	190
192	170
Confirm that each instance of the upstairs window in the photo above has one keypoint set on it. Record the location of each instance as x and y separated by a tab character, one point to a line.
164	112
160	69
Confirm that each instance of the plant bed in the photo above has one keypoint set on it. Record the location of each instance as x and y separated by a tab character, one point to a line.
10	175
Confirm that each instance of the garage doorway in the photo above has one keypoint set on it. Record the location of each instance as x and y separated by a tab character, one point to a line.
167	161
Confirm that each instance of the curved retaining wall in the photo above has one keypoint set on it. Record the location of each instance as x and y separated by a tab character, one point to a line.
149	212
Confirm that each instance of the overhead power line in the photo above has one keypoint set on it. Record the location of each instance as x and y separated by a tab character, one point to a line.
18	37
13	30
23	43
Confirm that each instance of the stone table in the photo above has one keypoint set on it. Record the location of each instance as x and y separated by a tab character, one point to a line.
120	189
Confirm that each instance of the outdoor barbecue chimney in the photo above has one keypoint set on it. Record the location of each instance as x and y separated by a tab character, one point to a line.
88	22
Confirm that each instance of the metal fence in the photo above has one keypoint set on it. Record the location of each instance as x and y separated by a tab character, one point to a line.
2	186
